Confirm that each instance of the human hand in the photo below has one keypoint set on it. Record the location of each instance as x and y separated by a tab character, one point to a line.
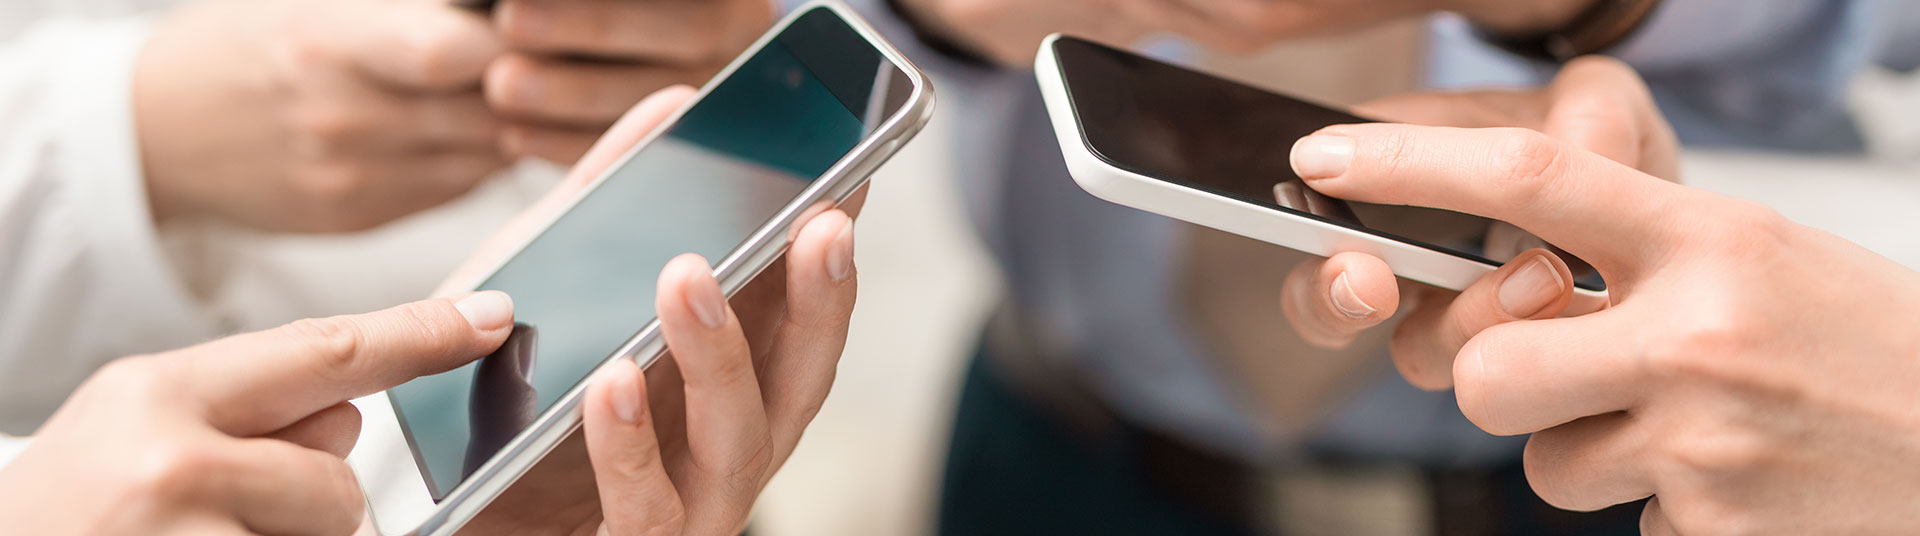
1752	375
243	435
1010	31
314	116
1595	104
687	447
576	65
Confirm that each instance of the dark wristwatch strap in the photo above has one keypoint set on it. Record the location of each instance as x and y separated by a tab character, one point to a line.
1603	25
936	41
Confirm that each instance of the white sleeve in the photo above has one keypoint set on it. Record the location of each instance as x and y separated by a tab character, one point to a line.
83	279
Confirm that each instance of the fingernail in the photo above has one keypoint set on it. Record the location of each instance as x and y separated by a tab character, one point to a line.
486	310
1322	156
1529	290
626	393
840	254
708	304
1348	301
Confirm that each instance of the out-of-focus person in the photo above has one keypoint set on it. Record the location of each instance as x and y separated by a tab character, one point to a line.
151	143
1134	381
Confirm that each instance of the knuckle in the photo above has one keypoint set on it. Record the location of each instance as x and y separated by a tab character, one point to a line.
132	376
333	342
433	57
175	470
1476	378
329	126
1714	450
1697	352
1527	163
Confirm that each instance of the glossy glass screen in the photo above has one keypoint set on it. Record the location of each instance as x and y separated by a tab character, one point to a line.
586	285
1226	138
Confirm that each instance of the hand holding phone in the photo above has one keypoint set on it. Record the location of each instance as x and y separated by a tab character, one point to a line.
758	160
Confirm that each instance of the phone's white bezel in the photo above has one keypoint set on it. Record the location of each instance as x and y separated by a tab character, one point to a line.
404	504
1120	186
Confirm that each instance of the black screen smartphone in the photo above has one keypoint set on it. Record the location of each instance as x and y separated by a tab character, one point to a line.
1208	133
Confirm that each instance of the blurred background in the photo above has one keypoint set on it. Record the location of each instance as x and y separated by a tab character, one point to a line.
871	462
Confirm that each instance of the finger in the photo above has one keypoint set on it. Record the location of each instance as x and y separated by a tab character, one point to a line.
821	288
275	487
431	46
635	126
1469	109
645	118
332	430
577	93
1590	463
1329	302
361	194
636	495
726	417
1600	104
1524	377
677	31
561	145
255	383
371	121
1654	521
1572	198
1534	285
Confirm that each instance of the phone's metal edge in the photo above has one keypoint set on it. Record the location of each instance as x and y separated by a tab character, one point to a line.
766	244
1457	274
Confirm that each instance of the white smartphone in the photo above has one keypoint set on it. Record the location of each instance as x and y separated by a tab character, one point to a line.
1210	151
800	120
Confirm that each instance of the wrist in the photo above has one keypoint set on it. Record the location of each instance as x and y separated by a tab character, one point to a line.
1523	17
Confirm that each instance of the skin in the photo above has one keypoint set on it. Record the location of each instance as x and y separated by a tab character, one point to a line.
573	66
1752	375
1297	376
314	117
248	434
1010	31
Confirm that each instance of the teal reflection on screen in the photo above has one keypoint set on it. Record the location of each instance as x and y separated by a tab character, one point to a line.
586	286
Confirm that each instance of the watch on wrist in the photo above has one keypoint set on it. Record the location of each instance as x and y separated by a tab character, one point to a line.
1601	26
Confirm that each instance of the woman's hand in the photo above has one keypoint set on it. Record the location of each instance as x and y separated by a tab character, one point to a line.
686	447
243	435
1752	374
1595	104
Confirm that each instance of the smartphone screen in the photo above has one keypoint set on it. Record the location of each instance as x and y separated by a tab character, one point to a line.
1215	135
586	285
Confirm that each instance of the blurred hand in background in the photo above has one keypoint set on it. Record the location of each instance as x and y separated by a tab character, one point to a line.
574	66
315	116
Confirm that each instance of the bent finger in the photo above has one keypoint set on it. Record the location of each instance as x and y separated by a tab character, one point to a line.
1589	464
821	288
726	416
1534	285
1329	302
636	494
1524	377
276	487
333	430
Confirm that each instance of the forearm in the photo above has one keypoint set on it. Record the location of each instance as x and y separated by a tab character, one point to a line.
83	278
